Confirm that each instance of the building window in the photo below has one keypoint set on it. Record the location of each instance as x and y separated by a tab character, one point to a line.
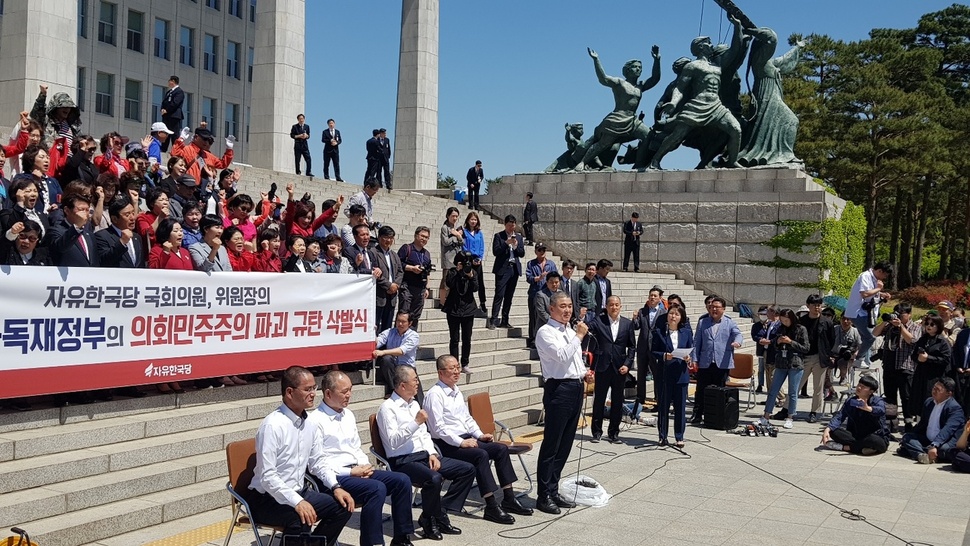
209	52
251	60
252	11
188	111
235	8
161	39
187	46
232	118
136	29
81	87
233	51
214	4
133	100
249	119
106	23
82	18
104	94
209	107
158	95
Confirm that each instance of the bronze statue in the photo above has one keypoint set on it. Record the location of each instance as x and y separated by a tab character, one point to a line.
622	124
700	84
574	139
774	125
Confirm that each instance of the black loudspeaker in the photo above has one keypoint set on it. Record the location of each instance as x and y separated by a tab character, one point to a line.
721	408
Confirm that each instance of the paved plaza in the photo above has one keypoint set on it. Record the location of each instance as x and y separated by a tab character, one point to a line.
723	489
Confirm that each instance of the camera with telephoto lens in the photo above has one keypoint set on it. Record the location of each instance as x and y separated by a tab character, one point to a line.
889	317
464	259
845	353
426	271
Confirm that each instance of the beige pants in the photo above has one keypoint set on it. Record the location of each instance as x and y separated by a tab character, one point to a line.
818	373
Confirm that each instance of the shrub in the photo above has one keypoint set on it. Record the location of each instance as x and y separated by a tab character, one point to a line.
932	293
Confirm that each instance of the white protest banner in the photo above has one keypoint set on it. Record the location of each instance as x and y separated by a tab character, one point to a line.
76	329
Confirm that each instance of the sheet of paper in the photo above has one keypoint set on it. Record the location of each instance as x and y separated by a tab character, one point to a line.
680	353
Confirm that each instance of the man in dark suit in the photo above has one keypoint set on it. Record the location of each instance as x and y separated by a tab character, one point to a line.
612	357
392	275
604	288
374	154
300	132
648	319
939	427
474	179
508	248
117	246
960	364
171	109
632	229
360	261
72	243
331	150
530	215
716	339
385	158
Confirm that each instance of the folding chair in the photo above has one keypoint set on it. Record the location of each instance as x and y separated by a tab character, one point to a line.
377	450
241	460
742	376
480	408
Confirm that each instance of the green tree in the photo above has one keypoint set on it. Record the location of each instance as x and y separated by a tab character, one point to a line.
446	182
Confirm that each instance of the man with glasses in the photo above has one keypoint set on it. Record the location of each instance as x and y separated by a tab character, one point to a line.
939	427
80	166
197	155
714	343
899	334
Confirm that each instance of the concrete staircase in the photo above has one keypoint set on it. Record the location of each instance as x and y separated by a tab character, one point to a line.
80	474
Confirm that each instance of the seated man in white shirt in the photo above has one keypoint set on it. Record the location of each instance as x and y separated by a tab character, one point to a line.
457	436
349	469
410	451
397	346
286	446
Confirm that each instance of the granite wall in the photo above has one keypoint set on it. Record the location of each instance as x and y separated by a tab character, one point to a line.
703	226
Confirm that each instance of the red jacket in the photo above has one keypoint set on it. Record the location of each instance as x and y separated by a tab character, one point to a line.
192	152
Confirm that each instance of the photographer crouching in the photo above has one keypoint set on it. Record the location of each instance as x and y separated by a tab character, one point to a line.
462	284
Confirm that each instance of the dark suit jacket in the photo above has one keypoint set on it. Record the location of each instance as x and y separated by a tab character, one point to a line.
612	353
628	228
675	369
172	103
531	213
951	421
13	215
502	253
39	257
385	145
290	265
645	341
326	140
351	253
388	276
374	152
473	176
114	254
599	293
299	143
65	246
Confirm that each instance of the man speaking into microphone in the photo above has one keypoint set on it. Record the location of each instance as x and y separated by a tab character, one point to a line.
561	357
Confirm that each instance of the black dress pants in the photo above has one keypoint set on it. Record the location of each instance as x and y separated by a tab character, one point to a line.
305	155
870	444
461	474
562	400
331	515
462	325
328	157
479	457
608	379
631	248
505	282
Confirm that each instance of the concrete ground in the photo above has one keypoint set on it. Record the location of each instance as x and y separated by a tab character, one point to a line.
722	489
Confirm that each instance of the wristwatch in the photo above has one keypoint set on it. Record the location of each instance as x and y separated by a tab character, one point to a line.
336	486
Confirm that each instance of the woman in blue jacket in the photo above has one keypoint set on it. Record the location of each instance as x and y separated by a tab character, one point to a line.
675	334
475	243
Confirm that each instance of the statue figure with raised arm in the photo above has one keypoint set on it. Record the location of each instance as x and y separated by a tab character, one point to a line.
622	124
700	83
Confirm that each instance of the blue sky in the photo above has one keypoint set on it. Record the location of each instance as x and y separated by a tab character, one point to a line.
512	73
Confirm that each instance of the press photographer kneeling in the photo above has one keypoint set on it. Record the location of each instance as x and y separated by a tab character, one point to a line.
860	426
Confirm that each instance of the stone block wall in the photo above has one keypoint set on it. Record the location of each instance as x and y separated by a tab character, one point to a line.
706	226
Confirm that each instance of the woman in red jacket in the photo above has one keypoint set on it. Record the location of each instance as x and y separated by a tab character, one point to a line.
169	254
158	210
241	256
299	218
268	257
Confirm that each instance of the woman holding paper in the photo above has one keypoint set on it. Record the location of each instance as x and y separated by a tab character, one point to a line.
671	346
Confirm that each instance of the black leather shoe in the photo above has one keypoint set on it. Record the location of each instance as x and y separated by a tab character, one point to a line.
512	505
782	414
430	527
496	514
696	420
505	324
614	439
812	417
545	504
561	502
491	325
446	528
402	540
596	438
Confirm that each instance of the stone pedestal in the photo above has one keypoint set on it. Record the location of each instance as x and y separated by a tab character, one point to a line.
278	81
703	226
415	160
39	46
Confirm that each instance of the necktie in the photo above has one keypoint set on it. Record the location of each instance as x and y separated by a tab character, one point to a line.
366	258
131	252
84	245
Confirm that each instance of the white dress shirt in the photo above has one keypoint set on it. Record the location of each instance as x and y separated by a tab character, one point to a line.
400	433
614	327
448	417
339	440
560	351
285	445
